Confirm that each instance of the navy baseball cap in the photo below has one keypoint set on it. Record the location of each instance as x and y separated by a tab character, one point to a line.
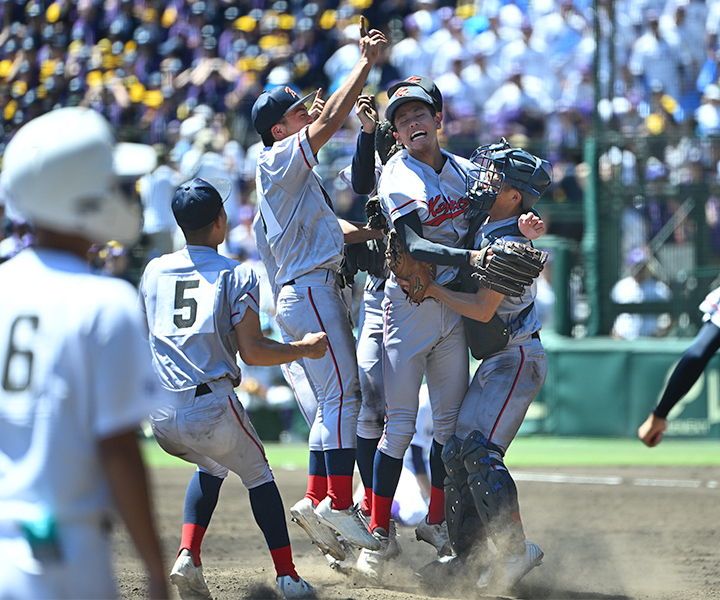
425	83
197	202
403	95
272	106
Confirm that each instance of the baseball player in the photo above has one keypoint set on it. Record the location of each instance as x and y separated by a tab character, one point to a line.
423	189
687	371
202	309
306	239
506	183
364	175
76	371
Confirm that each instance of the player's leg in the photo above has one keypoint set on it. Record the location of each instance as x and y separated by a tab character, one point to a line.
495	406
322	308
371	419
447	375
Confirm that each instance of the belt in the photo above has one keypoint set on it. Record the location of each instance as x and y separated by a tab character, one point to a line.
202	389
536	335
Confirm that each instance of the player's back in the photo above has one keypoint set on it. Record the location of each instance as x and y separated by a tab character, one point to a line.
71	353
193	299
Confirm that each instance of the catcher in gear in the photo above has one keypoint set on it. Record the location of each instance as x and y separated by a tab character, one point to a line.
508	181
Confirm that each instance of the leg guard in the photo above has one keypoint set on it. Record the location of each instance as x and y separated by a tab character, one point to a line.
464	526
493	491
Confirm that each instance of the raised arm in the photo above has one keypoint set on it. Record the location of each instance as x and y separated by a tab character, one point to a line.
339	105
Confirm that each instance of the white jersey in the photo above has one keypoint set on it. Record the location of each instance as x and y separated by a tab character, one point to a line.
409	185
301	228
193	299
76	369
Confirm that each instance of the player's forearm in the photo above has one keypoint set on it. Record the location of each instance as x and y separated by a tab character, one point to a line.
480	306
124	468
355	233
363	164
409	228
265	352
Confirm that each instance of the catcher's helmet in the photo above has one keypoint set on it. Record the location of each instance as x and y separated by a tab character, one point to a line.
500	164
65	172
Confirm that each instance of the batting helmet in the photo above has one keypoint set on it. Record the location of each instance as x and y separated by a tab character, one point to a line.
498	164
64	171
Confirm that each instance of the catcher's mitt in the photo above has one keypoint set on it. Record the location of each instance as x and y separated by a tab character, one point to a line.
376	218
512	267
417	274
385	143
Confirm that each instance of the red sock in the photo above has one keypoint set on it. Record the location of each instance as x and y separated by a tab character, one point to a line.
436	510
340	490
366	506
317	488
382	508
192	536
282	558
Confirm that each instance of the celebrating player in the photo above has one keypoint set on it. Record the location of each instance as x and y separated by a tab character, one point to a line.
77	376
306	239
502	330
202	308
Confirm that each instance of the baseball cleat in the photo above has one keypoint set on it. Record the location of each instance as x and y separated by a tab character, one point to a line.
348	523
371	563
303	513
393	550
347	566
290	588
517	567
436	535
188	578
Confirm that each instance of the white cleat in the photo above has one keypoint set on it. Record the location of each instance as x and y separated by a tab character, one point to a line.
371	563
348	523
436	535
188	578
517	567
347	566
290	588
303	513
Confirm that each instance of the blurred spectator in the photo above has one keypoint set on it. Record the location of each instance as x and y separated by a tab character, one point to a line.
17	234
156	193
115	261
640	285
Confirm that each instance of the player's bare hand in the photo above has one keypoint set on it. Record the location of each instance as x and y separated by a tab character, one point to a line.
315	344
366	111
371	42
486	257
531	226
651	431
317	106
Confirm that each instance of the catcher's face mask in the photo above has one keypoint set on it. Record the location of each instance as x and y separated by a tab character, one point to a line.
485	181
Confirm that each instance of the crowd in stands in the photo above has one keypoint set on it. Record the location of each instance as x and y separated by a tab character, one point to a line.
183	75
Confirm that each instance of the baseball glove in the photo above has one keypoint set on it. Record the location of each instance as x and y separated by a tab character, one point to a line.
385	143
375	218
417	274
511	268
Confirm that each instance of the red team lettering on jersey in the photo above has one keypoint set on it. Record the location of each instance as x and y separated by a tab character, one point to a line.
440	209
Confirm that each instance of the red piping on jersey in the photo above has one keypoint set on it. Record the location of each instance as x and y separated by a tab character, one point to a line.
404	205
337	371
301	148
385	316
254	299
507	400
237	416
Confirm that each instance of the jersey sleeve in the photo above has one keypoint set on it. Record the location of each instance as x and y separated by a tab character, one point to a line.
402	190
246	293
288	159
124	382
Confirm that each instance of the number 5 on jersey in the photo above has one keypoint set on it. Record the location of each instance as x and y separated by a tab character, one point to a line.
185	305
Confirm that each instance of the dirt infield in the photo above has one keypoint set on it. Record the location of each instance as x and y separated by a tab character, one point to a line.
607	534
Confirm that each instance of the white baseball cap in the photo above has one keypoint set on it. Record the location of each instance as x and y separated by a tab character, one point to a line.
65	171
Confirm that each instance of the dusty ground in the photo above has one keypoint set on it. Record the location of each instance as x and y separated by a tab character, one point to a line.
604	539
